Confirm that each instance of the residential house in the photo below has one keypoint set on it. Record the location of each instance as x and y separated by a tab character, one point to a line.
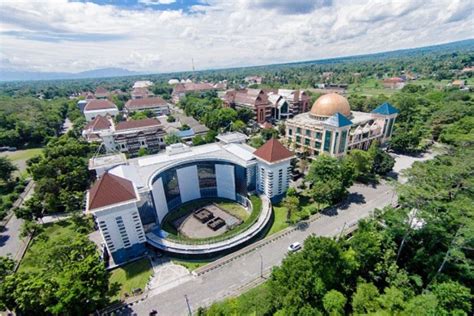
96	107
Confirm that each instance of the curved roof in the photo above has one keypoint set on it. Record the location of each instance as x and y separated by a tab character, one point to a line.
329	104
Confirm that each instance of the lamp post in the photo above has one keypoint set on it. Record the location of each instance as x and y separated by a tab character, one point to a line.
187	304
261	265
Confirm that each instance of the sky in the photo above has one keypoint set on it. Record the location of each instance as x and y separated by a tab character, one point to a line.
166	35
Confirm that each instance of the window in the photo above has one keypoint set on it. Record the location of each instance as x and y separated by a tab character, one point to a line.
290	131
298	139
307	141
317	144
342	145
318	135
308	133
327	141
298	130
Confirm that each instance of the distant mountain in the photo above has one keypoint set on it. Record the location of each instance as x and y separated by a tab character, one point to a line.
13	75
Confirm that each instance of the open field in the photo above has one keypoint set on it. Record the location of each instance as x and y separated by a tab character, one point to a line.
20	157
131	276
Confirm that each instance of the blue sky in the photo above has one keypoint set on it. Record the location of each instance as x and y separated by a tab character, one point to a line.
165	35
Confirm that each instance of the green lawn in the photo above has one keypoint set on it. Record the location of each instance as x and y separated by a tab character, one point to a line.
20	157
279	220
253	302
131	276
52	232
234	209
193	264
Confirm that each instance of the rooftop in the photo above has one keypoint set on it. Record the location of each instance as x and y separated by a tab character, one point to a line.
145	103
110	189
273	151
96	104
99	123
134	124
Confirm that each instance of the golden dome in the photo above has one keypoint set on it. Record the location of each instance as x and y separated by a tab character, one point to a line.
328	104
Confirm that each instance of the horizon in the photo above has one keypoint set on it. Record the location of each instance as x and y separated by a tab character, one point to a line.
164	36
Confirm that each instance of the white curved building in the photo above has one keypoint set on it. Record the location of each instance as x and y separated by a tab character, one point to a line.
135	193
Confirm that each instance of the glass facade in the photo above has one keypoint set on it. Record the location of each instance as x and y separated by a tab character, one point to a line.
342	145
327	141
207	181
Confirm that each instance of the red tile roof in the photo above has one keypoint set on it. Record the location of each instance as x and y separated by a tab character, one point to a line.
137	104
191	86
110	189
273	151
99	105
99	123
133	124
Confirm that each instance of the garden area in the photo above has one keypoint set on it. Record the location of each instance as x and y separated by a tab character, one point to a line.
233	208
130	278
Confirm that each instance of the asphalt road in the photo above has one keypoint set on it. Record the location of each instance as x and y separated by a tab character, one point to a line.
229	279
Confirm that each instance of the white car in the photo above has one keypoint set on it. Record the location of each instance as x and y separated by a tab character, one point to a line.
294	247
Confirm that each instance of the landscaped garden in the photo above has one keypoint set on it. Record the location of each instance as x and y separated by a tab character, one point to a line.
130	278
231	207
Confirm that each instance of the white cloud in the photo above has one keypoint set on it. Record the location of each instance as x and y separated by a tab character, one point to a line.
57	35
156	2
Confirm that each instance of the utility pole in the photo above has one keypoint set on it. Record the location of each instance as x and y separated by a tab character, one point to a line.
190	313
192	62
261	265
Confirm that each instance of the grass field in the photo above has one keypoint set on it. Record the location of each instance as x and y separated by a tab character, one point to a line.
20	157
234	209
131	276
193	264
52	233
279	220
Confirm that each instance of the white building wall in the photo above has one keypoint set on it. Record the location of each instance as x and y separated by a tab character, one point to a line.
120	226
225	180
188	183
159	198
273	179
90	115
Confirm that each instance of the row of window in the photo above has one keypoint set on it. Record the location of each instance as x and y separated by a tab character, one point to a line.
307	132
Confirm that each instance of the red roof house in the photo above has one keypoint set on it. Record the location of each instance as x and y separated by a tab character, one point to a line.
109	190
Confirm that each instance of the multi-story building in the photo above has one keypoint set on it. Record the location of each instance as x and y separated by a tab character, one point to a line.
268	105
156	104
127	137
141	93
332	128
130	195
101	107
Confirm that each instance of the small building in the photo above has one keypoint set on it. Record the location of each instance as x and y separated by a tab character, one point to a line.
181	89
156	104
97	107
142	84
460	84
92	130
101	93
393	83
332	128
253	80
141	93
253	99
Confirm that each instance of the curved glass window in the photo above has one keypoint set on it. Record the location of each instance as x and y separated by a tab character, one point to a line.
206	175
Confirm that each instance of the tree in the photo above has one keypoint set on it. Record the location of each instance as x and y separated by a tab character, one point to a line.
365	299
238	126
172	139
256	141
170	119
268	133
210	136
142	152
75	280
452	297
292	204
330	178
460	133
382	162
30	227
363	162
6	169
198	140
334	302
406	139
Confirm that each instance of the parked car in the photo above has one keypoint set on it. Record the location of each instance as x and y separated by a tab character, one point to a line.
294	247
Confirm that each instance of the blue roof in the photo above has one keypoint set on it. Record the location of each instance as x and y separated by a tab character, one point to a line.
338	120
385	109
185	133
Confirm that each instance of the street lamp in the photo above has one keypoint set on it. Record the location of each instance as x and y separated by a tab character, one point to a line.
190	313
261	265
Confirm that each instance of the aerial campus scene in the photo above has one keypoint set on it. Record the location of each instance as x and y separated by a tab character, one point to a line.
247	157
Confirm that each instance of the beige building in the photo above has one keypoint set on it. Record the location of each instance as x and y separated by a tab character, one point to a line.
332	128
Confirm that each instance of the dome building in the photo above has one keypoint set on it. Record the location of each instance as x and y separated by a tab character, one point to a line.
331	127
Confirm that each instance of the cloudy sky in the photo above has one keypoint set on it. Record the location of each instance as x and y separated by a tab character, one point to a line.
165	35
